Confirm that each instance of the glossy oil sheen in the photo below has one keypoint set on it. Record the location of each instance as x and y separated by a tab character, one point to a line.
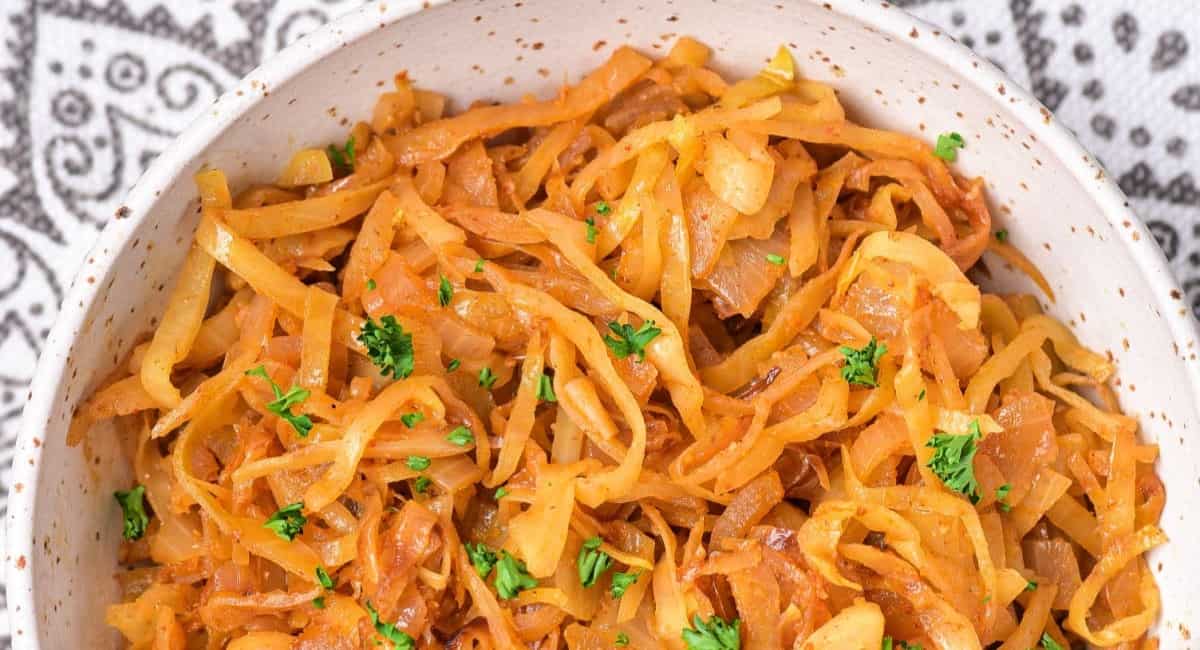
892	71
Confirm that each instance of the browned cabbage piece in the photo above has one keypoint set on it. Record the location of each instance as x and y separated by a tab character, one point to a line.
744	274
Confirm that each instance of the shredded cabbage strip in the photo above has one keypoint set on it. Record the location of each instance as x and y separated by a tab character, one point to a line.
661	352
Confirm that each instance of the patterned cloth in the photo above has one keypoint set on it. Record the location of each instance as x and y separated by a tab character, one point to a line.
92	90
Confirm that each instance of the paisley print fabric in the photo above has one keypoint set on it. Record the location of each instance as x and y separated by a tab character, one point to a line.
92	90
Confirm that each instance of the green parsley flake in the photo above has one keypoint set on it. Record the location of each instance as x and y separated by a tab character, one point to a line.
389	347
501	492
1030	585
622	581
899	645
948	145
453	365
319	602
417	463
283	402
482	557
545	389
862	365
603	208
1001	495
622	639
371	286
777	260
1002	235
133	509
953	460
1048	642
479	265
591	230
921	395
445	291
592	562
630	341
324	579
288	521
399	638
342	157
410	420
422	484
487	378
461	436
511	577
716	634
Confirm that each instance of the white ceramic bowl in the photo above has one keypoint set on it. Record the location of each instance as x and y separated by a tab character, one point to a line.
891	70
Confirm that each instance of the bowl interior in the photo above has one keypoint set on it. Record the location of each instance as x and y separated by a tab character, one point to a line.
890	70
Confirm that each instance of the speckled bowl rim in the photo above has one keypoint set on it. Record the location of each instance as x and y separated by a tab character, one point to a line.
296	58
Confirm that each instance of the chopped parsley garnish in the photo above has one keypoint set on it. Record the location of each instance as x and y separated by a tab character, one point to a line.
461	436
1002	235
630	341
501	492
417	463
603	208
324	579
511	577
948	145
479	265
622	581
389	347
288	521
319	602
1001	495
342	157
445	291
410	420
283	402
422	484
453	365
953	460
1030	585
591	230
399	638
487	378
861	365
921	395
371	285
1048	642
716	634
777	260
133	508
622	639
545	389
900	645
482	557
592	562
